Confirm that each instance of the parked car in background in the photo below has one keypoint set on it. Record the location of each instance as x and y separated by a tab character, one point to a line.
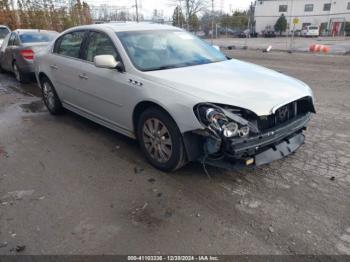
243	33
269	33
4	31
297	33
227	31
247	33
19	49
253	34
310	31
180	97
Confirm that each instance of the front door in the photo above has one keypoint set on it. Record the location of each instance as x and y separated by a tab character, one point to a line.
105	92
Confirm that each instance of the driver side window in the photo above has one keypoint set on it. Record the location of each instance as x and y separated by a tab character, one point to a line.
99	44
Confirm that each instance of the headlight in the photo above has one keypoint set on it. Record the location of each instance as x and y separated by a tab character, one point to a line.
215	118
227	125
230	129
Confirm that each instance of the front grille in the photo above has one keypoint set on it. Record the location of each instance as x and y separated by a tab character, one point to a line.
285	113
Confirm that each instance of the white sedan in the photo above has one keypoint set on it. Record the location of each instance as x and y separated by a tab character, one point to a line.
180	97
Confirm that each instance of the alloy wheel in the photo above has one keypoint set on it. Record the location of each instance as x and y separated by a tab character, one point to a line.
49	95
157	140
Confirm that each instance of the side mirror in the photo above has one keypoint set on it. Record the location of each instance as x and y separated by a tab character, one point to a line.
107	61
216	47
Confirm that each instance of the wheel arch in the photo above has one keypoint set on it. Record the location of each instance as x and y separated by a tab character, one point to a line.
13	62
142	106
192	142
41	76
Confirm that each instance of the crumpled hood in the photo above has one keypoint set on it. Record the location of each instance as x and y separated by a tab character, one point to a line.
235	83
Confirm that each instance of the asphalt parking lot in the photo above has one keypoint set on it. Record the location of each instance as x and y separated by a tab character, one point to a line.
69	186
337	45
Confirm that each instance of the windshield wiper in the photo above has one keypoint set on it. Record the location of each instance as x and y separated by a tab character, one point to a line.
192	63
164	67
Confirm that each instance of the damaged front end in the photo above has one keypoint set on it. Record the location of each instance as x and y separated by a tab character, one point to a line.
233	136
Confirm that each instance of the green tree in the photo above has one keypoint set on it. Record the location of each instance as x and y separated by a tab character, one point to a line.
225	20
194	23
281	24
239	20
178	17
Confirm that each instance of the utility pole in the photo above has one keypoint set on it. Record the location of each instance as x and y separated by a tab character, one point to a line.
212	21
188	14
137	12
329	20
248	26
291	14
179	7
290	24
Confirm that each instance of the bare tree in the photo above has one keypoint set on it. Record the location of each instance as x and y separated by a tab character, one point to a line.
192	7
43	14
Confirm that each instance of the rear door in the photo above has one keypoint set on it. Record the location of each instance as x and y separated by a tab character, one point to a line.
65	65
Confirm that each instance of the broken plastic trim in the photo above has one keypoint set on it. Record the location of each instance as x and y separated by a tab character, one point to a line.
229	115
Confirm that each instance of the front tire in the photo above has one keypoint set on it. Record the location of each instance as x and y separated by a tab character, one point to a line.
161	140
50	97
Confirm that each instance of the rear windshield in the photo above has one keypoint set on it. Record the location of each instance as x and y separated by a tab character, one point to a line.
313	28
36	37
3	32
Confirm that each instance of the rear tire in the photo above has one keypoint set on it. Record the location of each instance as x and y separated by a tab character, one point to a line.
50	97
161	140
19	75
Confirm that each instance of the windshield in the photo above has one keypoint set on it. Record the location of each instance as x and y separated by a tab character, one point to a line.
3	32
36	37
165	49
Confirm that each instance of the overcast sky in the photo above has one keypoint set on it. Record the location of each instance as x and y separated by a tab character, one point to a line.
147	6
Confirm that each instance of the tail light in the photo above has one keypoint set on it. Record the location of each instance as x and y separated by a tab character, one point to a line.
27	54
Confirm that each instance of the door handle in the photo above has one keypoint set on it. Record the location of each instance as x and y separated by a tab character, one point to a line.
83	76
55	67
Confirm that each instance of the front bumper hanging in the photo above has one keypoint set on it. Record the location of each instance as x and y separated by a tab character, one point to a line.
279	151
264	148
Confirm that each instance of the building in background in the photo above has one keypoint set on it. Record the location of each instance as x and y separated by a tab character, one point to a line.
329	15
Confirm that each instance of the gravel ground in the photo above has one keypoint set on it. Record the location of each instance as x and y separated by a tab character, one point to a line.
69	186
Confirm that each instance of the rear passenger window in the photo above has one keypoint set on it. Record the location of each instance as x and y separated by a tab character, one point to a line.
12	39
69	44
99	44
16	41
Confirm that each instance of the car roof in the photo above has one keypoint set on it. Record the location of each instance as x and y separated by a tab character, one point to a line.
22	31
128	26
